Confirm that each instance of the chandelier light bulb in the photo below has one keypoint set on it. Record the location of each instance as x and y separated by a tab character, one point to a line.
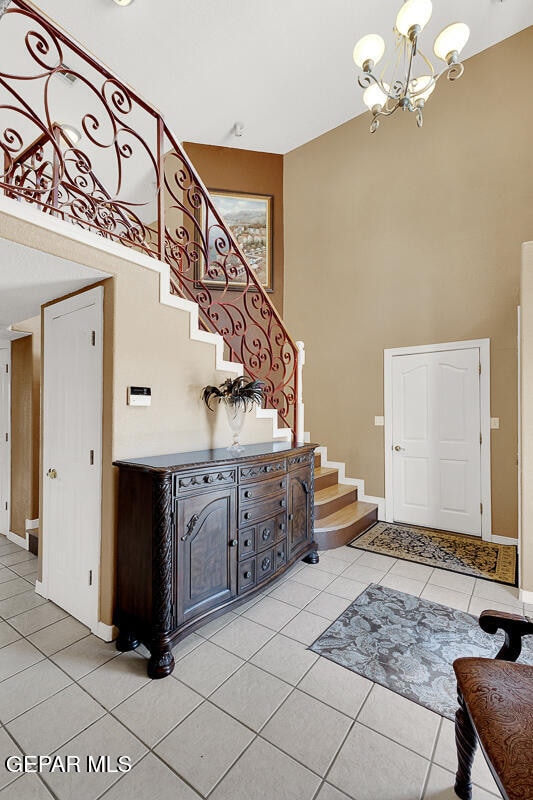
413	13
451	40
374	96
370	48
421	87
71	134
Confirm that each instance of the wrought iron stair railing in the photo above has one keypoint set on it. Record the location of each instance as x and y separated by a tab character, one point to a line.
128	179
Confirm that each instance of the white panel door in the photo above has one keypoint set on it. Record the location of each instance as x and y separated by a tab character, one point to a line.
72	442
5	444
436	424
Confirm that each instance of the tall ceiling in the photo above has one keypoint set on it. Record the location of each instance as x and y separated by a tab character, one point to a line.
283	68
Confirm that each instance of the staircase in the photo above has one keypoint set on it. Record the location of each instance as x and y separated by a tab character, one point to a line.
339	515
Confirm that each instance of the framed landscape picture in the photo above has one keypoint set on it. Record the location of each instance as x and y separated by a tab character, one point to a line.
249	217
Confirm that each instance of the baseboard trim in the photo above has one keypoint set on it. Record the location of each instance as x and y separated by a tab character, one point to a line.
503	540
31	524
106	632
22	541
526	597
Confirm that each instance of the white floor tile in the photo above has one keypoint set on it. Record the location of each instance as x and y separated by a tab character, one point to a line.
36	618
7	634
20	603
314	576
59	635
242	637
328	563
440	786
13	587
150	778
271	613
328	605
337	686
206	667
204	746
377	561
56	720
305	627
308	730
265	773
117	679
105	737
296	594
29	687
329	792
82	657
370	766
209	630
479	604
453	580
401	720
346	587
286	658
346	554
446	597
446	756
26	787
411	569
401	584
157	708
251	695
17	656
363	574
490	590
7	748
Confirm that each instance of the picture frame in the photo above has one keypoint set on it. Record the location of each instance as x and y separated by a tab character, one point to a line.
249	218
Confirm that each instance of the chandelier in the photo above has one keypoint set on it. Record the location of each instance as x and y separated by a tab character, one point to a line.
407	90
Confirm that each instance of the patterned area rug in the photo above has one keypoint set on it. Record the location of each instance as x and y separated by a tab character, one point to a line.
453	551
408	645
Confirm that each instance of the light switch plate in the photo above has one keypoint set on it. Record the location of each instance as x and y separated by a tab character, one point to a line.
495	423
379	421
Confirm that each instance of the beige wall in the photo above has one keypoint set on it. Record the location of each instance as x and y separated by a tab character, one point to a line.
409	237
526	358
145	344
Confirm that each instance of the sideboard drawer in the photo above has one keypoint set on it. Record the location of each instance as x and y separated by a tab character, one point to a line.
281	553
268	508
256	472
246	575
257	491
266	564
204	479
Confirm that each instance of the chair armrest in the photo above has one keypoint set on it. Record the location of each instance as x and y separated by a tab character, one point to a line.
513	625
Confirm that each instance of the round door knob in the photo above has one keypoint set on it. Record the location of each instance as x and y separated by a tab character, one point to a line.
247	515
398	448
281	526
247	575
282	485
233	543
52	473
282	503
281	555
247	493
247	542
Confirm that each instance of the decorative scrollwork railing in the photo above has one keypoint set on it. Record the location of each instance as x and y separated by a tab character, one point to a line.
77	143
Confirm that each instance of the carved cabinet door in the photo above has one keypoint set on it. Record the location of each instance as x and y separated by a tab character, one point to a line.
207	552
300	520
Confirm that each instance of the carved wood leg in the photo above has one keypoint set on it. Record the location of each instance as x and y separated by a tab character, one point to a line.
126	640
312	557
161	661
466	742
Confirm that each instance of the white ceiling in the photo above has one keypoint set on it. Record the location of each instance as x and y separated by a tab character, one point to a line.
282	67
29	278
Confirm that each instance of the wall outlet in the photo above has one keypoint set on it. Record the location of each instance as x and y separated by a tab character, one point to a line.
379	421
495	423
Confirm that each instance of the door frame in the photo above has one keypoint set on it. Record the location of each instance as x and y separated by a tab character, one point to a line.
484	396
5	344
95	294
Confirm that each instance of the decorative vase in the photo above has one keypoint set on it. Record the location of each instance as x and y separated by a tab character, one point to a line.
235	414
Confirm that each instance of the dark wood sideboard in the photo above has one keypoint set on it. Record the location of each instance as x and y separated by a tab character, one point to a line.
199	532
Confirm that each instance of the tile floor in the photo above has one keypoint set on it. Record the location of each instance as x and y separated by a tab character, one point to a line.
248	714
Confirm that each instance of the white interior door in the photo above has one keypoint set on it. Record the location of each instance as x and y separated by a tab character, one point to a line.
5	436
72	443
436	439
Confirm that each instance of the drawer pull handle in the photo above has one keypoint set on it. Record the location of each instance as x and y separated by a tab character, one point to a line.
247	493
190	527
291	516
265	534
247	574
265	564
282	484
282	503
247	515
281	555
233	543
268	468
247	542
281	526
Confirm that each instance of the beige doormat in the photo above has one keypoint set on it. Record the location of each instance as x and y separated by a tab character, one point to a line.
456	552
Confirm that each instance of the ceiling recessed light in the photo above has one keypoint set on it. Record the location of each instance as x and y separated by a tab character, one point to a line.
123	2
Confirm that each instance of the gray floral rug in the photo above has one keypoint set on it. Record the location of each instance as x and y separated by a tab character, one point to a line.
456	552
408	645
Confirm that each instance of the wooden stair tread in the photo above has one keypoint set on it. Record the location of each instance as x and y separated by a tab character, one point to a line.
321	471
345	517
333	492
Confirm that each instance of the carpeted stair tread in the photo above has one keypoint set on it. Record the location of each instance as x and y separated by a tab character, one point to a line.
345	517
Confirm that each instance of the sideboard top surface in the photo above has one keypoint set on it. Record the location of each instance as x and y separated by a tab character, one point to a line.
199	458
